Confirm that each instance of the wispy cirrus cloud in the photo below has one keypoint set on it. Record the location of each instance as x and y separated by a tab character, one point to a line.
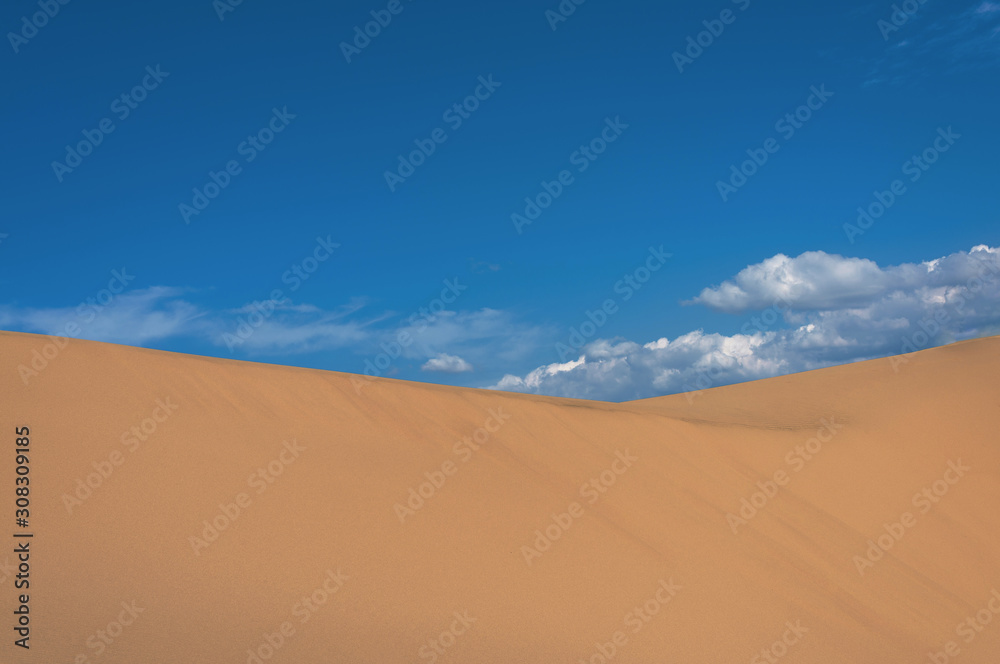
133	317
445	341
818	309
930	42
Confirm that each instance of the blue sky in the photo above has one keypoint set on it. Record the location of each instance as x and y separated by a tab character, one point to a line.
225	147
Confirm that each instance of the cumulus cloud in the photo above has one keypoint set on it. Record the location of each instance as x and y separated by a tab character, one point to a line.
447	364
837	310
817	280
796	313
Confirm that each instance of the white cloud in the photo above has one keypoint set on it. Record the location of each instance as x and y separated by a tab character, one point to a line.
841	310
447	364
271	327
961	41
831	310
133	317
816	280
534	380
480	338
482	335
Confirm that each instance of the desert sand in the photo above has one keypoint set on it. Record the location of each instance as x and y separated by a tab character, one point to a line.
199	510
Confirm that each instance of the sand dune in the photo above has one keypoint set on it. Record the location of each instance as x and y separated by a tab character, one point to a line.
187	509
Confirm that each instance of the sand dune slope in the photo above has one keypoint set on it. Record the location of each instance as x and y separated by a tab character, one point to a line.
187	509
